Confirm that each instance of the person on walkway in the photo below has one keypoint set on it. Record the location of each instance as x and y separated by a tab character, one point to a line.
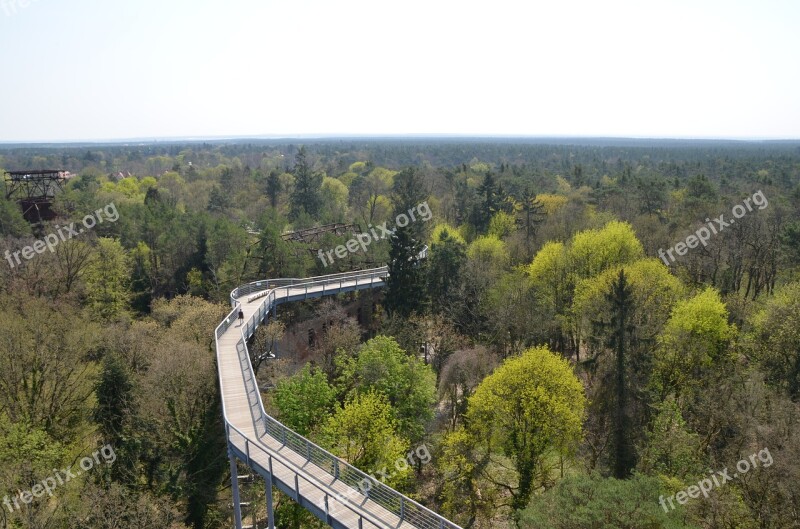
241	317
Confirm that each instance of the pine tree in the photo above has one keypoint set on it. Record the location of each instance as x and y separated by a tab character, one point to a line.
490	204
406	284
114	414
306	195
624	457
531	215
445	262
273	188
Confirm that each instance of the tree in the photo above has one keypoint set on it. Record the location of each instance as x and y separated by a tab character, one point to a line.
306	194
47	381
531	214
364	434
445	261
107	278
219	200
12	223
368	195
273	188
341	336
490	203
594	501
114	414
619	338
305	400
408	191
407	383
774	340
693	343
548	279
73	257
593	251
405	287
333	196
462	372
531	406
654	292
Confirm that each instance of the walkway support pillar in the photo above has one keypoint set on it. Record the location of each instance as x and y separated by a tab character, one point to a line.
237	505
270	512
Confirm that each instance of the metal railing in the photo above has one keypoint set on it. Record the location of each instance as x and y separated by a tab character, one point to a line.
282	290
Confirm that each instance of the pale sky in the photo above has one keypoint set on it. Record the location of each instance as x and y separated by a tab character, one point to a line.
106	69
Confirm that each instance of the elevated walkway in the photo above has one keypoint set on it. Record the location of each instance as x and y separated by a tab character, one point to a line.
334	491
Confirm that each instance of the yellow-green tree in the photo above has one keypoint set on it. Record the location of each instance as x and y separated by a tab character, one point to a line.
654	292
693	341
529	409
365	434
594	251
107	277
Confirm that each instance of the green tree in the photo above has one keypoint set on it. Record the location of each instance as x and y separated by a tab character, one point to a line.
445	262
671	449
598	502
405	287
619	339
774	340
490	202
305	400
12	223
306	195
107	278
273	188
114	413
408	191
530	215
219	200
408	384
333	195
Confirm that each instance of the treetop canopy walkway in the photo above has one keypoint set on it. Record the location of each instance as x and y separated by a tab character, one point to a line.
334	491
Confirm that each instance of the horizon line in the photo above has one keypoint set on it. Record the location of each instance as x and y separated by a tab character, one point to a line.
367	136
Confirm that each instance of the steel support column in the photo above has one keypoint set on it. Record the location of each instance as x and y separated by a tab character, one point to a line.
270	513
237	505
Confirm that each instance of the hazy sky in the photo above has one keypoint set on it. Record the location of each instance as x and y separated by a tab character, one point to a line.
100	69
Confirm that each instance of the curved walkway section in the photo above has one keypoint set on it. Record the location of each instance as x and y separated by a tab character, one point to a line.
334	491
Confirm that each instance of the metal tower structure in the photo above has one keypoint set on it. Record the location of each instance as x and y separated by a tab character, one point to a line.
35	192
